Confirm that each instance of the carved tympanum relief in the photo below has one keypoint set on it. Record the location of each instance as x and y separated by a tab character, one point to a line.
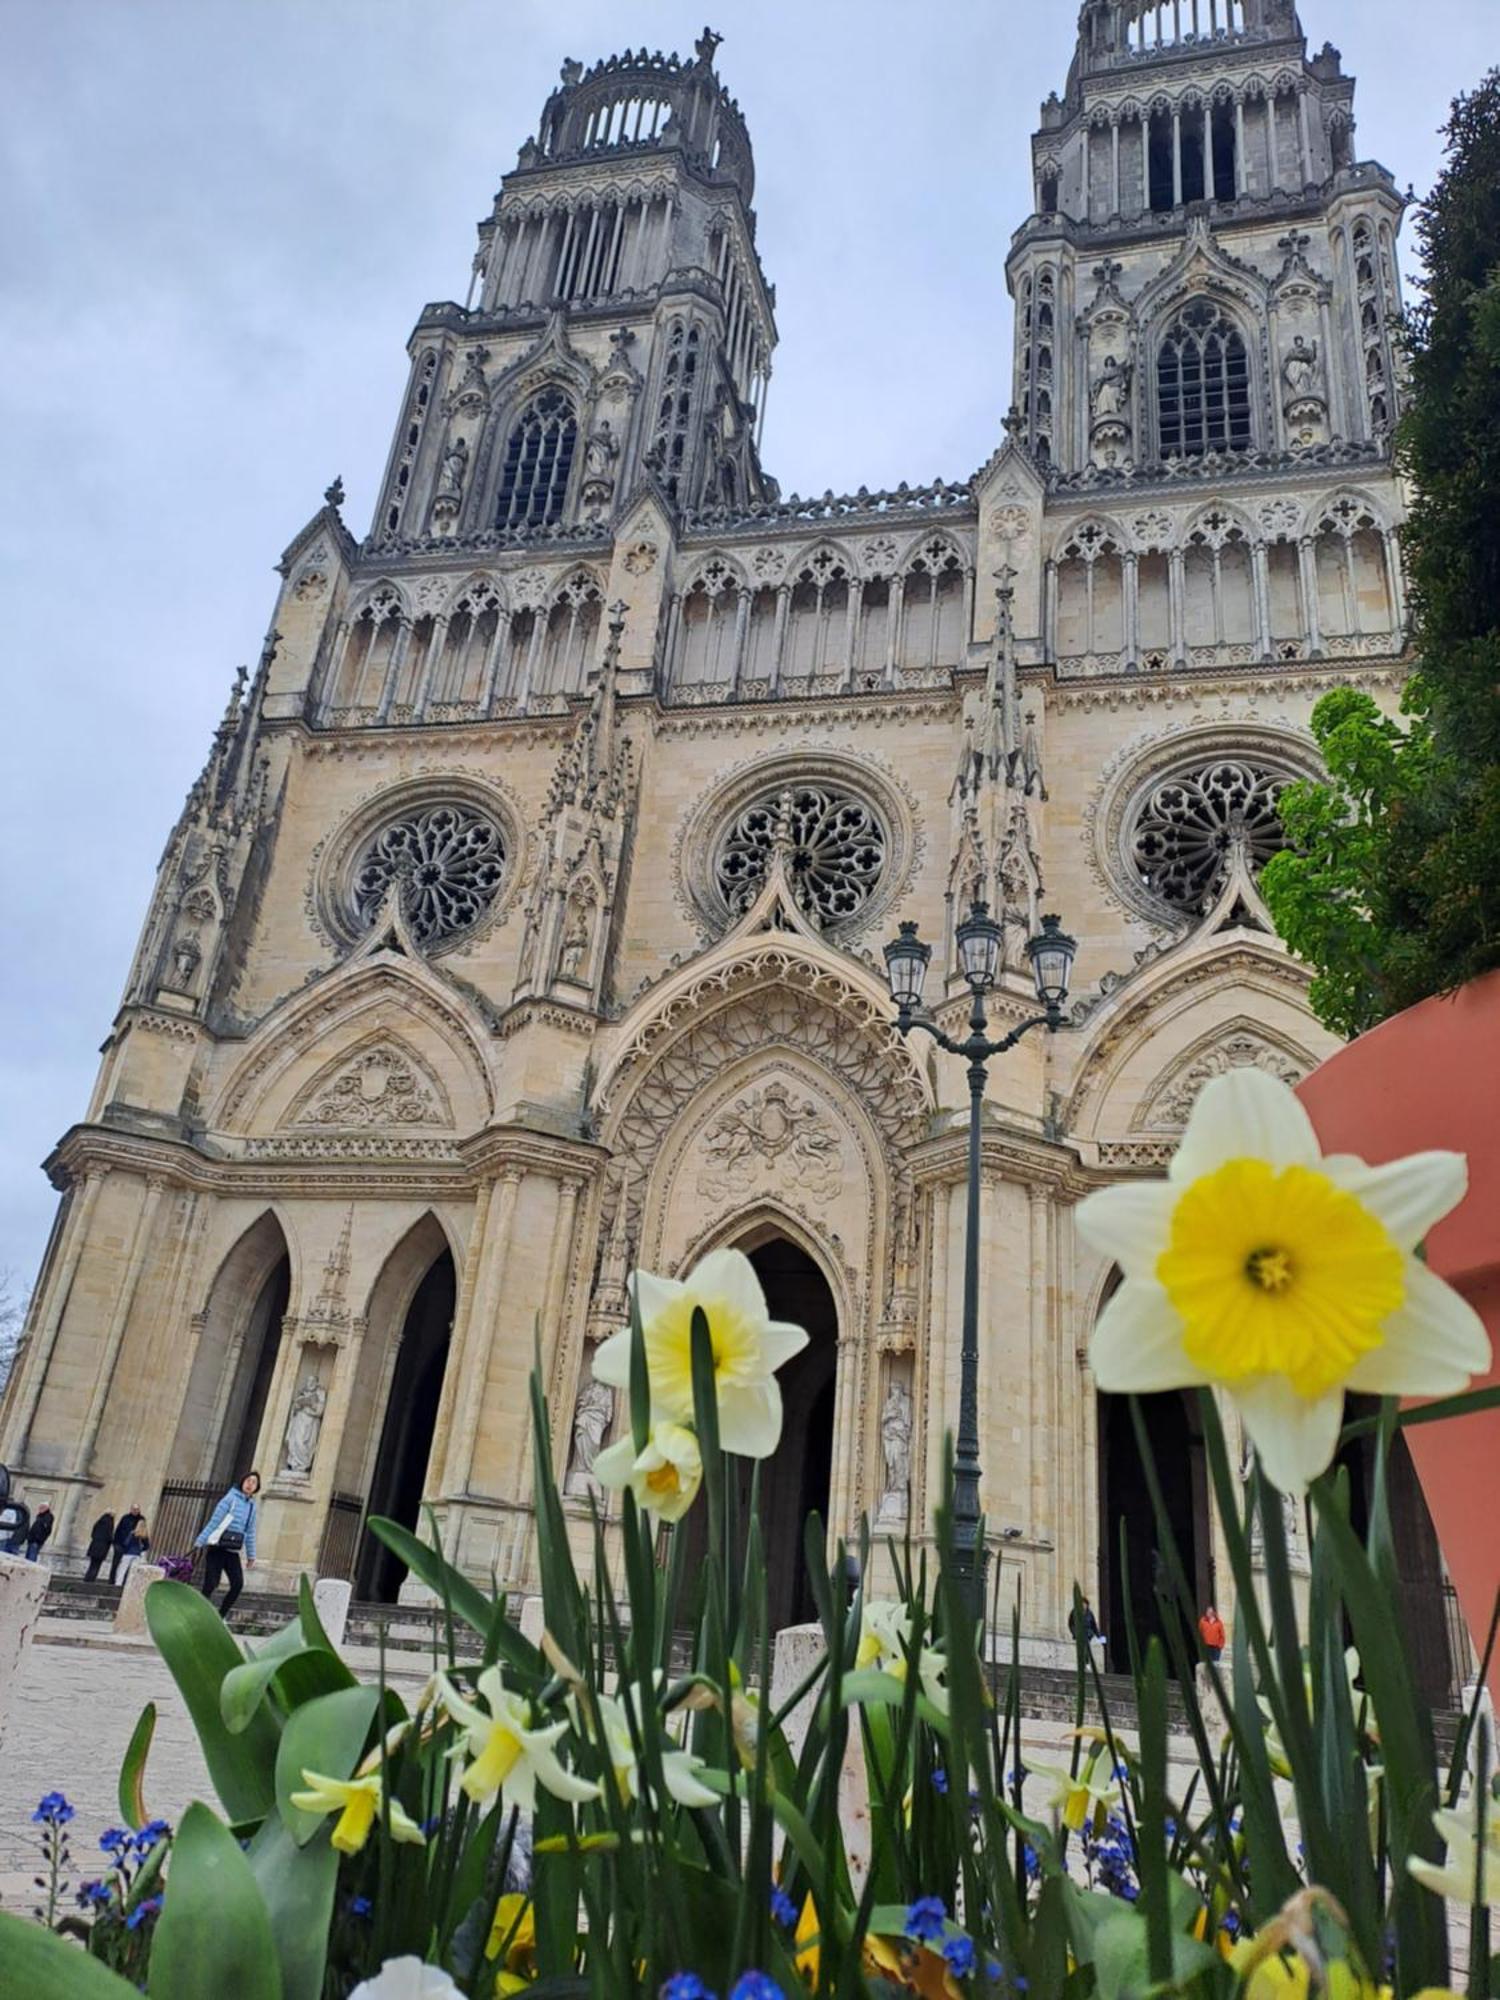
1169	1103
380	1086
771	1130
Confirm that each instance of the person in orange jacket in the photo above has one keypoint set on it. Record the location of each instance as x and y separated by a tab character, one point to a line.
1211	1632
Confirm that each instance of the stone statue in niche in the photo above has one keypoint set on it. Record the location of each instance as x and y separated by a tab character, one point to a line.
1302	371
599	455
895	1445
578	931
592	1417
455	471
187	956
1112	389
304	1426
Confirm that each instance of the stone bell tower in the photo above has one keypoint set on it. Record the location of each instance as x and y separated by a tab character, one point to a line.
619	324
1209	269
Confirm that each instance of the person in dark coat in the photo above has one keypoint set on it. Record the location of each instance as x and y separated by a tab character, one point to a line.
100	1536
37	1533
124	1529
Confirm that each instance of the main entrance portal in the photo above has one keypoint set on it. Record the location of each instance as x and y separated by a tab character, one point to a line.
406	1435
1133	1574
795	1481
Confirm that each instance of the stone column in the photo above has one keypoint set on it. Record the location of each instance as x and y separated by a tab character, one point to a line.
1261	597
36	1353
1114	166
851	629
778	652
1131	562
1176	156
494	654
393	670
471	1389
431	660
1178	608
893	627
1049	635
1395	583
1307	572
1241	165
1305	133
23	1589
741	632
140	1243
463	1313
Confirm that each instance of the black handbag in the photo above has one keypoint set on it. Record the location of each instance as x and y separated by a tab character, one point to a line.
231	1542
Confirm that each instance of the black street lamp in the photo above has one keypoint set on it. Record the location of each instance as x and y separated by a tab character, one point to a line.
1051	953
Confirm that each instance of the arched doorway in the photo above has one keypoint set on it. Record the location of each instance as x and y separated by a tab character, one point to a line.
796	1480
1133	1579
399	1471
1429	1615
229	1381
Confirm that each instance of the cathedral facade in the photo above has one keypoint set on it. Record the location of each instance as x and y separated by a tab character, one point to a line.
525	922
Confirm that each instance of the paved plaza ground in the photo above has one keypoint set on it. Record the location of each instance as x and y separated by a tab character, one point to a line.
80	1694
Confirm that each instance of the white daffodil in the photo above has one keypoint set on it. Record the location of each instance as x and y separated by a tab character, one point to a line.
1458	1875
885	1641
357	1803
405	1979
664	1478
679	1767
506	1752
748	1347
1085	1799
1280	1276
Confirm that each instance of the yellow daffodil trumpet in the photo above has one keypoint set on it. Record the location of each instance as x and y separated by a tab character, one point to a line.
1279	1276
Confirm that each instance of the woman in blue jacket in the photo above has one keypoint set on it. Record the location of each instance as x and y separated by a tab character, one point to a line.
230	1532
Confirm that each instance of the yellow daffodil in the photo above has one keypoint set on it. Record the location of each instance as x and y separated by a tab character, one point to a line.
748	1347
664	1478
1085	1799
357	1803
885	1641
1292	1978
1457	1877
1280	1276
679	1767
514	1933
507	1752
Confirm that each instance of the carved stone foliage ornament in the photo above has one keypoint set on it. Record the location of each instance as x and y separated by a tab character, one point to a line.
837	849
640	558
379	1087
1169	1106
448	862
771	1129
1182	830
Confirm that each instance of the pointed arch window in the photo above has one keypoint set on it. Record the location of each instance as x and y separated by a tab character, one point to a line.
538	460
1202	384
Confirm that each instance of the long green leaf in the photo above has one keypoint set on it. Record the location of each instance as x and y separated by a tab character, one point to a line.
214	1934
430	1567
37	1964
133	1770
199	1651
327	1736
297	1885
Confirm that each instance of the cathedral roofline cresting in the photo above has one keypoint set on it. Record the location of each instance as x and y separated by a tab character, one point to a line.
525	920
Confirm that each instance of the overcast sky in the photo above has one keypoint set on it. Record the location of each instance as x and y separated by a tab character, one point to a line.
218	223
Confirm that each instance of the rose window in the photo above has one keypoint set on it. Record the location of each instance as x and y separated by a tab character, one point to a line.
1183	831
836	851
449	863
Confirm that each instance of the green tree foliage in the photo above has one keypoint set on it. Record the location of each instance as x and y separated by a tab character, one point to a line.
1392	886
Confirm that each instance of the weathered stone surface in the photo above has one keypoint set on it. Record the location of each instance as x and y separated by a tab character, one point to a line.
130	1612
331	1596
23	1586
